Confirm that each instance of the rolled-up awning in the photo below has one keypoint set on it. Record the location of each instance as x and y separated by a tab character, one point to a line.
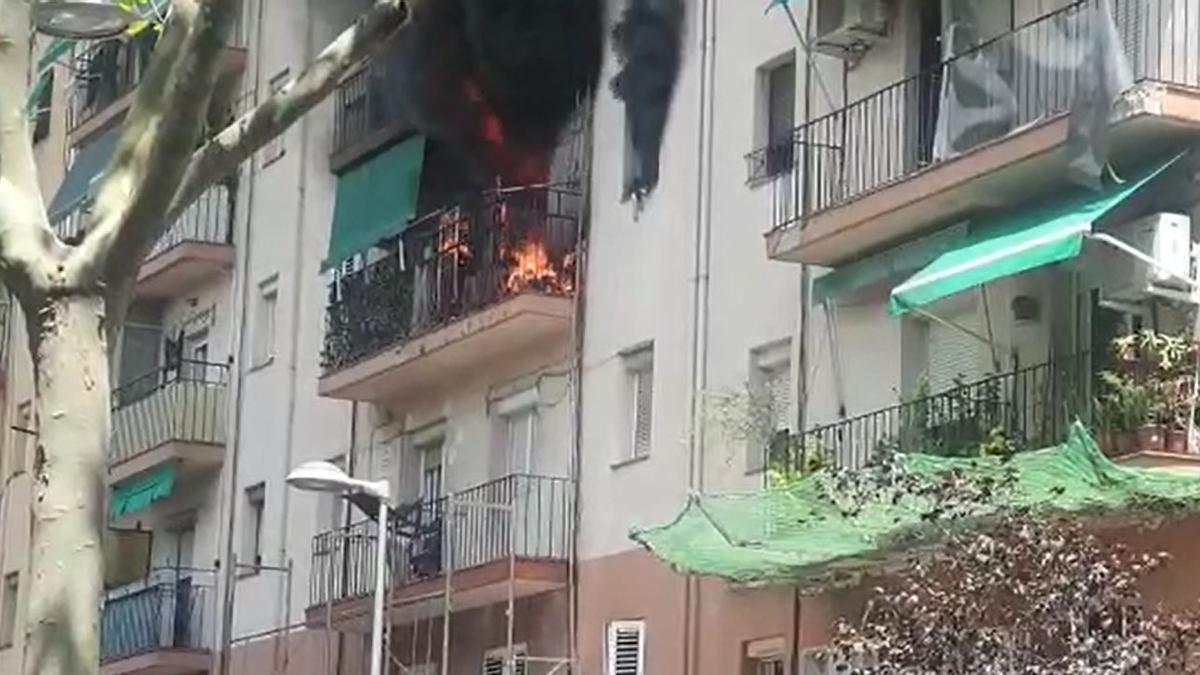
1012	243
141	491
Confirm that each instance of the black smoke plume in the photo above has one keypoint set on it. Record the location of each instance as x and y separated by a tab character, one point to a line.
497	80
647	40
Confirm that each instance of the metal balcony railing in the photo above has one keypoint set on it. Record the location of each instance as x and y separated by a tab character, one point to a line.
531	516
1018	78
366	105
167	611
457	261
181	402
105	72
206	221
1027	408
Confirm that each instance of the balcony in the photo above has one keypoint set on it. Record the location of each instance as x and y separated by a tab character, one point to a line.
157	627
197	248
906	159
106	74
367	112
172	416
519	524
476	282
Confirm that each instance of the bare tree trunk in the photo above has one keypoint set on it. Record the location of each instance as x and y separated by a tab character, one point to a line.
72	387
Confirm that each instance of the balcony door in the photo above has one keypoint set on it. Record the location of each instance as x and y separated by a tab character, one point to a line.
426	547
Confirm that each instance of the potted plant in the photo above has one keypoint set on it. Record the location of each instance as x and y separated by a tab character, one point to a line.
1128	416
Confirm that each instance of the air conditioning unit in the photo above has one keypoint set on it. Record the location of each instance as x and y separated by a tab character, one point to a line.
1164	237
846	28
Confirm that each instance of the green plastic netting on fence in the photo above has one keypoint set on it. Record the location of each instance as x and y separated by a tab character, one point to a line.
830	527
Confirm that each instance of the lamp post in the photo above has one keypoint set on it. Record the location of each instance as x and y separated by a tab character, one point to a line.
325	477
81	19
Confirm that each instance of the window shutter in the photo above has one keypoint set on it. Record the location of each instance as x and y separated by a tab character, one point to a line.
626	648
954	356
643	402
493	665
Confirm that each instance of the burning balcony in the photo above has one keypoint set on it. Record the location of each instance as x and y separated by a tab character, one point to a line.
157	627
469	284
516	527
984	129
166	424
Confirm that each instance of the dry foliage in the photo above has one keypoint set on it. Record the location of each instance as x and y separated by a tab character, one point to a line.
1028	597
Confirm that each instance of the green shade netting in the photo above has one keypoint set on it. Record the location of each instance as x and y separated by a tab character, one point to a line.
1012	243
376	199
807	534
142	491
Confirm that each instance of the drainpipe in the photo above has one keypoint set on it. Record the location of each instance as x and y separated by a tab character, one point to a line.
701	266
298	284
229	571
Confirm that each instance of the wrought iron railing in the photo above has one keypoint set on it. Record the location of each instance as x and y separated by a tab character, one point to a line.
1027	408
531	516
166	612
184	401
367	104
105	72
206	221
456	262
901	129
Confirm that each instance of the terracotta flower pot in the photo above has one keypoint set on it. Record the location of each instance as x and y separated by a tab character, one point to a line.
1150	438
1177	441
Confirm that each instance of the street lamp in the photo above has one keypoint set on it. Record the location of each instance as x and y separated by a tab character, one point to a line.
325	477
81	19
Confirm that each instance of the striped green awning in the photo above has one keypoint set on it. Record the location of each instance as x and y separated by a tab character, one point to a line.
376	199
141	491
1013	243
874	270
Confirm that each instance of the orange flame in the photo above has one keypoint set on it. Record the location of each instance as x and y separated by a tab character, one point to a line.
531	268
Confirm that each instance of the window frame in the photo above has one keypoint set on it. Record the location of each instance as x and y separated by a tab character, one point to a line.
266	323
610	645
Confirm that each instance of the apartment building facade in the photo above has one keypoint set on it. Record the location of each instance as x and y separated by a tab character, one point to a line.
538	368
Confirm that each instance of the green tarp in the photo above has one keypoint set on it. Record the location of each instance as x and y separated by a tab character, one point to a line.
813	533
843	282
376	199
1012	243
142	491
90	162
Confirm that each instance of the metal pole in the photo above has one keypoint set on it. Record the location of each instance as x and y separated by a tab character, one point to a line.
448	562
512	574
380	585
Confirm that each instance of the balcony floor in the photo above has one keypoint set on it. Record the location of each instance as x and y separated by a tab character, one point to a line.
161	662
192	458
1155	118
472	588
412	366
183	267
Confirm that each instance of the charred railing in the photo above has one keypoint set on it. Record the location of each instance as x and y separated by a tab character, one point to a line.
456	261
1027	408
184	401
902	128
529	516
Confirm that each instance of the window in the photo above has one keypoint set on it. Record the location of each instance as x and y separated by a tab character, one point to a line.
23	435
777	105
8	610
626	647
330	507
431	471
639	385
494	661
765	657
45	100
275	148
521	438
264	322
771	392
252	526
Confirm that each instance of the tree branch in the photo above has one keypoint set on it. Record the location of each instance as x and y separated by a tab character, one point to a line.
155	147
223	153
25	236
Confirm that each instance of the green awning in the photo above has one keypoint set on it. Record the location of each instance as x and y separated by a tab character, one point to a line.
1013	243
814	532
90	162
872	270
376	199
142	491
